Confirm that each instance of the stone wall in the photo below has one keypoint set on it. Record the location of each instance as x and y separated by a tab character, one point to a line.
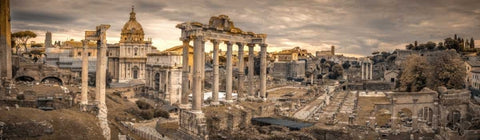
293	69
193	124
370	85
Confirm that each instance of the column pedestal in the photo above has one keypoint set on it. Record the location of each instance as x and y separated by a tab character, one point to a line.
193	123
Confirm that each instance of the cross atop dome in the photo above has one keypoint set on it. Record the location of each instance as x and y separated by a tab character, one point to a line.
132	14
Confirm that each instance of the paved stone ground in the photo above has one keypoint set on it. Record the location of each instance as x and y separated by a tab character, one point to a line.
148	127
347	109
332	108
310	108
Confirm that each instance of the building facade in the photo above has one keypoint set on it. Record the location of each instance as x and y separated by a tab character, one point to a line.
127	59
472	79
164	76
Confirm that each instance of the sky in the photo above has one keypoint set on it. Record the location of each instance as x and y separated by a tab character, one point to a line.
355	27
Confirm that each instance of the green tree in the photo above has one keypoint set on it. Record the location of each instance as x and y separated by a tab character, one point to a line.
440	46
22	38
337	71
446	69
452	44
36	45
414	76
346	65
430	45
472	43
410	47
441	68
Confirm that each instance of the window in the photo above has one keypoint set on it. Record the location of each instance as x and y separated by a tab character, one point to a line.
89	53
136	51
79	54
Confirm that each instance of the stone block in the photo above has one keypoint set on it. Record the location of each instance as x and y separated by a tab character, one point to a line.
193	123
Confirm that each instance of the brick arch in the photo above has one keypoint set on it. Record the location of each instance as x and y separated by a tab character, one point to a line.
59	80
25	78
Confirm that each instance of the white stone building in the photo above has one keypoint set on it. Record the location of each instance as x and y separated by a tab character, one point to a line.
127	59
473	74
164	76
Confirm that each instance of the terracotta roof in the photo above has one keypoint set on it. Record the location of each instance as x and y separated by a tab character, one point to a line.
474	63
177	47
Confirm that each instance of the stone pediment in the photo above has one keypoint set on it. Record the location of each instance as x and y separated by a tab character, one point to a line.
223	23
219	28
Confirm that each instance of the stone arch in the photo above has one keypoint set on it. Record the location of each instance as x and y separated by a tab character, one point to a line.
453	118
383	117
425	114
24	79
405	117
53	79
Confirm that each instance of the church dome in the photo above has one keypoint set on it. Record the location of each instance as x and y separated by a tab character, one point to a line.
132	31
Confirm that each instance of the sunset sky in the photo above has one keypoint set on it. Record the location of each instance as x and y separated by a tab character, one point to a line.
355	27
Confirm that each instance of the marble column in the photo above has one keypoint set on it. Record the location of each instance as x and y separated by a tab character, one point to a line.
101	79
251	70
203	71
229	75
263	71
84	97
185	73
197	74
363	71
101	68
215	86
5	45
371	70
241	72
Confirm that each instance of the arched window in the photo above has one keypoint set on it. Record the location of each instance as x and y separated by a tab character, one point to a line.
136	51
135	72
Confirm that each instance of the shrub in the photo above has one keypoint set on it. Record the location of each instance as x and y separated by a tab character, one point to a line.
143	105
20	97
146	114
161	113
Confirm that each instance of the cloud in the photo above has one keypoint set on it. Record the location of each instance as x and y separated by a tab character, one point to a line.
355	27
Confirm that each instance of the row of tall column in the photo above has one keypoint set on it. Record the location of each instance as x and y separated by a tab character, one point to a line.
199	69
367	70
101	68
100	80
